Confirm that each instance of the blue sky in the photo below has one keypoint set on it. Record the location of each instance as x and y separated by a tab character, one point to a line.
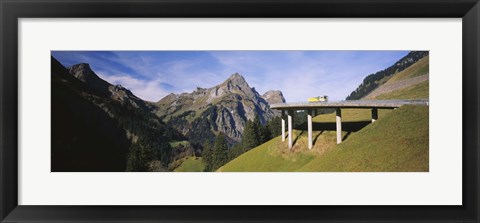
298	74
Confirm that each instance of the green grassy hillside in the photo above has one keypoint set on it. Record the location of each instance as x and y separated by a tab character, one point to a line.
419	68
418	91
411	83
398	141
191	164
183	143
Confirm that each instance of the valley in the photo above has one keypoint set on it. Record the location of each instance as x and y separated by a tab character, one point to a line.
98	126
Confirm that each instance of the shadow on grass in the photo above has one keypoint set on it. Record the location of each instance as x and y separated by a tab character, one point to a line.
316	137
346	135
348	127
298	136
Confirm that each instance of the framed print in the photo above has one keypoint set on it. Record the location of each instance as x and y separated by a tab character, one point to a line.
239	111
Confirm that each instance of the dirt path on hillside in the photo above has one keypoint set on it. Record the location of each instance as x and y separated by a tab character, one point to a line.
398	85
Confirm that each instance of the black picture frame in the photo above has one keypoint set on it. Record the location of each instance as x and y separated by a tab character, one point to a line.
11	11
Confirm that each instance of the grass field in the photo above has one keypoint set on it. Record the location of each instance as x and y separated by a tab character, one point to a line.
178	143
397	141
191	164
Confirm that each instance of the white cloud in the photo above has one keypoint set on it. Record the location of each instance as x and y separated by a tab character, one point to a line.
303	74
298	74
182	73
149	90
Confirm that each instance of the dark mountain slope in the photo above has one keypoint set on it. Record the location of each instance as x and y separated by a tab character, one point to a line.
84	137
100	127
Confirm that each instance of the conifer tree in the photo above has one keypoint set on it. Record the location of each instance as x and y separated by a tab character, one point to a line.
275	127
139	156
265	134
220	151
250	135
207	156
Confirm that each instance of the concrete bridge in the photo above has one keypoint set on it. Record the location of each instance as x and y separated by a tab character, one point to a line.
311	107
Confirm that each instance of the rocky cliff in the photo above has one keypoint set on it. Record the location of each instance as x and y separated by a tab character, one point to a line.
84	73
205	112
273	97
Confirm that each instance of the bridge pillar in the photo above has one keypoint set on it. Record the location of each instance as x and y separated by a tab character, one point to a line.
310	135
374	114
290	128
283	125
339	125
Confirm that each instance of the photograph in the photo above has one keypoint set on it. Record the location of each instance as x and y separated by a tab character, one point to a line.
240	111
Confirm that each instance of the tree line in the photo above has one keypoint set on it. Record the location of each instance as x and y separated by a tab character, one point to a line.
151	150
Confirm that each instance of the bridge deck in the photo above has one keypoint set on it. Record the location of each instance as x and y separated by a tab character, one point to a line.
348	104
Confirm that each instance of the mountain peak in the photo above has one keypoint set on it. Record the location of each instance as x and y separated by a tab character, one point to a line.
235	75
81	67
82	71
237	79
273	97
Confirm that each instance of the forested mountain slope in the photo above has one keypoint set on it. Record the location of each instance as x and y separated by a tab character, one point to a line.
373	81
97	126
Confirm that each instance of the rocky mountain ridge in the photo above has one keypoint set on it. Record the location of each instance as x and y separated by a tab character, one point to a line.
226	106
199	115
273	97
84	73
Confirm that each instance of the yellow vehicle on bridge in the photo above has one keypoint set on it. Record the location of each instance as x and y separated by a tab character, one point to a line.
318	99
